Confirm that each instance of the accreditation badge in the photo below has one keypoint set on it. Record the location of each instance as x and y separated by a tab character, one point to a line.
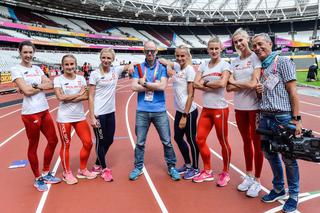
148	95
271	82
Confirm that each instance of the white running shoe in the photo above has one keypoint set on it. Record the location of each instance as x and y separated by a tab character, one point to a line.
246	183
254	189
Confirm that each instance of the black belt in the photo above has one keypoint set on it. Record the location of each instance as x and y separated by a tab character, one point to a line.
275	112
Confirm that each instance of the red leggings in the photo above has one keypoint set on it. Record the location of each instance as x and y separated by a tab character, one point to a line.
35	123
209	118
83	131
247	123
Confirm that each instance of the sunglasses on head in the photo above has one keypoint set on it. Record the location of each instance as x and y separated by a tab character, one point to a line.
149	51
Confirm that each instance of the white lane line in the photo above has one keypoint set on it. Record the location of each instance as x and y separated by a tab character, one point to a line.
304	199
15	134
276	209
308	103
233	166
145	172
55	168
21	103
123	82
305	113
123	87
312	115
125	91
2	116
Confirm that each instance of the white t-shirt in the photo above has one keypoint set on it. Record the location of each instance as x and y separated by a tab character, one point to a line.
214	99
104	99
245	99
69	112
180	86
37	102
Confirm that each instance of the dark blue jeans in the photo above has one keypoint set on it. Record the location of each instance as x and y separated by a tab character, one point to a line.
161	122
270	121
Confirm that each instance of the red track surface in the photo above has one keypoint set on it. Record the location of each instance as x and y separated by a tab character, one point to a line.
122	195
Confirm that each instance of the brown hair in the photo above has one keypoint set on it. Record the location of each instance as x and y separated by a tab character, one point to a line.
26	43
68	56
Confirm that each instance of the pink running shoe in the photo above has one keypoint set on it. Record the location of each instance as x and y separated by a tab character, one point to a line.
96	169
86	174
69	178
106	175
223	180
203	176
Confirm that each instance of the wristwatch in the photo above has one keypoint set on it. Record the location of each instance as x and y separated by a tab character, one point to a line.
185	115
296	118
205	83
34	86
144	84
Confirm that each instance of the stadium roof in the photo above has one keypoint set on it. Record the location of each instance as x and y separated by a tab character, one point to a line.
181	12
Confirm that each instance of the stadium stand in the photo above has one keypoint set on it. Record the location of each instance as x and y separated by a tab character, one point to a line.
303	36
10	57
83	25
99	26
4	12
24	15
194	41
14	33
65	22
133	33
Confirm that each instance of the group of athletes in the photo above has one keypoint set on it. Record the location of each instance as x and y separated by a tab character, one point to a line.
213	78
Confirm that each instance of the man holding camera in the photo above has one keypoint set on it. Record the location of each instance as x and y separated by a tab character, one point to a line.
279	106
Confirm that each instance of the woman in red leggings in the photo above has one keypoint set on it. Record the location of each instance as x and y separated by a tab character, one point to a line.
246	70
70	90
212	79
31	82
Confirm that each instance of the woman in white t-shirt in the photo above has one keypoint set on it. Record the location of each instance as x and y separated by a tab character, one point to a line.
212	78
185	122
103	82
246	72
70	90
31	82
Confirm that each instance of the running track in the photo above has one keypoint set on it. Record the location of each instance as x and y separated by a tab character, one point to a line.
154	191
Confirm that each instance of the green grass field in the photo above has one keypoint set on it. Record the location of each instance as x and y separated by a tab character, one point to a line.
302	76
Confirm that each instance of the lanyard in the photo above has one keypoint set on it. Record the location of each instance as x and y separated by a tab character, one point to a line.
274	68
154	74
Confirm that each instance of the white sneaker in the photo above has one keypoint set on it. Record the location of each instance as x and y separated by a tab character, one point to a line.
246	183
254	189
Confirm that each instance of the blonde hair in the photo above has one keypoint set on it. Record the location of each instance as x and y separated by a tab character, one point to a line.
243	33
215	39
187	49
106	50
